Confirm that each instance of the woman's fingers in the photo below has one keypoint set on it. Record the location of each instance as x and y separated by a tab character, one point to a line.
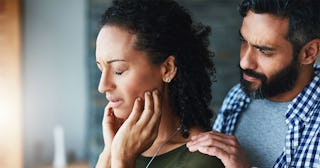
155	118
108	120
148	109
136	111
108	126
147	114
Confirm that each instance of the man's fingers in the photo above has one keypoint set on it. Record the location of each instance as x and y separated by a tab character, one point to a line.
225	147
222	151
211	143
217	136
215	151
209	148
236	158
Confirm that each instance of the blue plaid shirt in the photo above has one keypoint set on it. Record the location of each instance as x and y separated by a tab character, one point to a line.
302	148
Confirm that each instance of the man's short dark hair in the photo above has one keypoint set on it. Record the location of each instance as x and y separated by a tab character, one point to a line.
303	17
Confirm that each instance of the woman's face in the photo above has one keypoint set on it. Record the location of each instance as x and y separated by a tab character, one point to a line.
126	73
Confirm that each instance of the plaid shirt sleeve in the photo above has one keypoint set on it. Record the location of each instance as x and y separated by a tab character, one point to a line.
235	102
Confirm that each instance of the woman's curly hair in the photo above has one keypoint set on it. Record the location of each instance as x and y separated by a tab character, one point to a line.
165	28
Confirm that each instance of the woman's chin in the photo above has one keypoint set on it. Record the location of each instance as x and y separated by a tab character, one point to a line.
120	114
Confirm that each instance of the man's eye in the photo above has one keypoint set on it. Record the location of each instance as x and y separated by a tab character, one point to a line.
265	52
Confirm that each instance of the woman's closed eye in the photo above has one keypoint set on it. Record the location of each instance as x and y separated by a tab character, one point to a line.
118	72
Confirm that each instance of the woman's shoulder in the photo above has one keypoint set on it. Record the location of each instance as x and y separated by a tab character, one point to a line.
181	157
198	159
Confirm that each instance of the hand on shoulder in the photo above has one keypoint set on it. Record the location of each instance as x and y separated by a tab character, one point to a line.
225	147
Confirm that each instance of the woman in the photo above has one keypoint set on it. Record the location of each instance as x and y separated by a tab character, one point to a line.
156	74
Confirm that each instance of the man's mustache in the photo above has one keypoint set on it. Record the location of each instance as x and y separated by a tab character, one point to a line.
253	73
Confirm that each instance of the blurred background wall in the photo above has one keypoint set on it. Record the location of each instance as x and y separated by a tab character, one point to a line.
54	78
60	75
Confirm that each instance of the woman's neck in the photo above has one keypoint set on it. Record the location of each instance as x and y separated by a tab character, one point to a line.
169	137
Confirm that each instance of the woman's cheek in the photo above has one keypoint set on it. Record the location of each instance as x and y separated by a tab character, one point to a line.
130	95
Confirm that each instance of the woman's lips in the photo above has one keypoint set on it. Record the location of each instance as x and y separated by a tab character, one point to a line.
114	103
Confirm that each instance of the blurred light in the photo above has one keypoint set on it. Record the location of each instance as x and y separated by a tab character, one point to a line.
10	86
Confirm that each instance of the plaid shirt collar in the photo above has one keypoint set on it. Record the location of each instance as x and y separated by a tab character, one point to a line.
302	148
302	107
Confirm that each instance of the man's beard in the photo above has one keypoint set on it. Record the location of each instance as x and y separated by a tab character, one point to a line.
278	83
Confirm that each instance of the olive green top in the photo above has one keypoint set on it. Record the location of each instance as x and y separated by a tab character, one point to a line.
180	157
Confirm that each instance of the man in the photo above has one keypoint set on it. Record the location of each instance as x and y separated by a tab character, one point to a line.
274	111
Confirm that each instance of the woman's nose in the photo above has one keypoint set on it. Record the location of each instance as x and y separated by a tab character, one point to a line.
105	84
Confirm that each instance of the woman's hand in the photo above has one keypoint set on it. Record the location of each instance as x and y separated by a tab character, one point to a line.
110	126
138	132
224	147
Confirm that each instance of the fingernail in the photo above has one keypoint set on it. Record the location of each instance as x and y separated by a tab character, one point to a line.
148	93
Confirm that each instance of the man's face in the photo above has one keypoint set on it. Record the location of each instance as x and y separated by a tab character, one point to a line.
268	65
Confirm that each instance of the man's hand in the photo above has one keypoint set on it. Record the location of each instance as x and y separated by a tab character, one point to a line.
224	147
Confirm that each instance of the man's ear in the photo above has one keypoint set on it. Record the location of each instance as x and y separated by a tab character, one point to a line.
310	51
168	69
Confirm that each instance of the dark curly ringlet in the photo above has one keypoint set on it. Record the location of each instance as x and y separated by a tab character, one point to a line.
303	16
165	28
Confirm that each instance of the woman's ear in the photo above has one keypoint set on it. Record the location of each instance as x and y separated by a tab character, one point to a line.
310	51
168	69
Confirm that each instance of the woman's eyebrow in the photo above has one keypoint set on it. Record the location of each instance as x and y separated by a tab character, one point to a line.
115	60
